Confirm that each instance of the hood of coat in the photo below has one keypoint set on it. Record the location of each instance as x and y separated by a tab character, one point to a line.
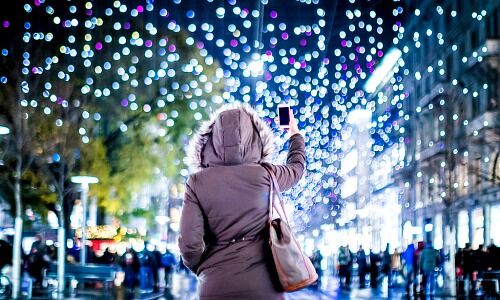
234	135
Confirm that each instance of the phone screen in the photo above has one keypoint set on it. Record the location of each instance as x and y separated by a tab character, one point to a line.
284	115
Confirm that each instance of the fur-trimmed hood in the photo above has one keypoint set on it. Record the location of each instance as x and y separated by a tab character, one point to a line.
235	134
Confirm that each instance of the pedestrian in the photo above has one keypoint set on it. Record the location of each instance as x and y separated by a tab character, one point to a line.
38	259
316	261
428	261
374	268
168	262
224	222
395	267
408	267
5	253
469	267
493	255
146	270
361	261
350	262
155	257
386	264
343	261
417	286
130	265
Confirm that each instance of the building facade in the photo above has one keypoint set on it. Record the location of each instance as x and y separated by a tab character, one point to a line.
450	179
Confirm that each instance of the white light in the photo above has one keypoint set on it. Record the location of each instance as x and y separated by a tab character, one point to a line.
383	70
84	179
4	130
359	117
256	68
428	227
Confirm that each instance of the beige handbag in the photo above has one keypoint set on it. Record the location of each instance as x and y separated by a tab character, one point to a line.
294	268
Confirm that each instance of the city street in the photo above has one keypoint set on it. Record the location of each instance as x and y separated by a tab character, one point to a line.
256	143
184	288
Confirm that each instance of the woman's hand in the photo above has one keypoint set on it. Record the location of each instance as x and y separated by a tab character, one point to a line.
293	124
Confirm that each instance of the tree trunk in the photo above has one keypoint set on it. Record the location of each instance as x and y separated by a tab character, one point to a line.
61	251
18	227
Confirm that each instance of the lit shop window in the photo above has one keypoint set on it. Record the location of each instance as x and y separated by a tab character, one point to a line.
495	224
463	228
477	227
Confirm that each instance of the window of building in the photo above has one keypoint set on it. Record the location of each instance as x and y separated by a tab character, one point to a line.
449	66
495	224
463	228
477	223
474	38
493	24
438	231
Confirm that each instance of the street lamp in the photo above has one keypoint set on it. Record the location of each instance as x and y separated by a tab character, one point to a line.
84	181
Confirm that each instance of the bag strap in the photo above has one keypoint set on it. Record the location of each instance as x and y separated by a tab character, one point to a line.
275	192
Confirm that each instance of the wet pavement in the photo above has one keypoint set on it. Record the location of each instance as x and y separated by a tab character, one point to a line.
184	288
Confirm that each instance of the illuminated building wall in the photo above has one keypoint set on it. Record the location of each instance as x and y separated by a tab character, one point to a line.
450	73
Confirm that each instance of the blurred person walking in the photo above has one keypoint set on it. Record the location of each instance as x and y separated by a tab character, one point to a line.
409	267
168	262
470	267
361	261
493	257
386	265
38	259
374	268
395	267
428	261
417	285
130	265
225	216
316	259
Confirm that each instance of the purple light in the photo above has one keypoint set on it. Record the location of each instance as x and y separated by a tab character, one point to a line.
124	102
326	61
284	36
171	48
268	76
6	23
126	25
98	46
200	45
269	53
37	2
303	64
148	43
88	12
303	42
344	67
233	43
380	53
343	43
273	14
308	33
291	60
140	8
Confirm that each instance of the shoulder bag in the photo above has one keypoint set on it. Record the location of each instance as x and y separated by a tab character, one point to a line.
294	268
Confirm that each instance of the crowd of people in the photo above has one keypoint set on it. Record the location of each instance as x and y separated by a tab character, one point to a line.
471	265
141	268
416	267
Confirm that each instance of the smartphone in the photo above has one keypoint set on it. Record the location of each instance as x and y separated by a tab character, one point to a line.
284	115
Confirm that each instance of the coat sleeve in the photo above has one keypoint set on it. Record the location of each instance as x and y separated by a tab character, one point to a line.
192	229
289	174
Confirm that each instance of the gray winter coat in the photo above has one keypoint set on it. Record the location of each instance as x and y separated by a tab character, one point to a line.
224	222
